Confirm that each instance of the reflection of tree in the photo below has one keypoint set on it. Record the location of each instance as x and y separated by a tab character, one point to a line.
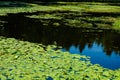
32	30
66	37
109	42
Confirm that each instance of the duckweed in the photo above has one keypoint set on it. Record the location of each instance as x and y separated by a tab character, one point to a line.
21	60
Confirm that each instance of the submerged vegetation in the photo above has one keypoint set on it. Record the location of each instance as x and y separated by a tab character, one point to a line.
24	60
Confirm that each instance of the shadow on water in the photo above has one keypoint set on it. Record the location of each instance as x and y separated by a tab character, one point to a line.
99	14
23	28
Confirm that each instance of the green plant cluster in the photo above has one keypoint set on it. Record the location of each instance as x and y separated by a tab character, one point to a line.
22	60
45	16
116	24
73	6
73	14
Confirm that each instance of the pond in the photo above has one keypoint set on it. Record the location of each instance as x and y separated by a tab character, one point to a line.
102	45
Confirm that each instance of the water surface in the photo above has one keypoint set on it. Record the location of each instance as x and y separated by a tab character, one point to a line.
97	55
102	45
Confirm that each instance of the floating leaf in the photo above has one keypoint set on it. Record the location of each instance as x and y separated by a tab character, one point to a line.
31	61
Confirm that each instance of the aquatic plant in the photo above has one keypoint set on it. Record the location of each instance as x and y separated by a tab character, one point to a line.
102	8
116	24
80	7
45	16
72	14
21	60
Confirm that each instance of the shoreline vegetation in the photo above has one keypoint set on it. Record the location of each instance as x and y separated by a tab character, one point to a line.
21	60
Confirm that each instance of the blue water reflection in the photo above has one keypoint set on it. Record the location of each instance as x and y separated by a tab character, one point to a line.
98	55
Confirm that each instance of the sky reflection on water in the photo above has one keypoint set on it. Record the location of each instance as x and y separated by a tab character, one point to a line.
97	55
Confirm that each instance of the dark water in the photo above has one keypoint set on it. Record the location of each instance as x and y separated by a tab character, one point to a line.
103	46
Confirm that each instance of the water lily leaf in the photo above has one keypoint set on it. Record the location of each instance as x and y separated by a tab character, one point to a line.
106	73
32	61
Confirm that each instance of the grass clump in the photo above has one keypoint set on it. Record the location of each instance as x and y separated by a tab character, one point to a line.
24	60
